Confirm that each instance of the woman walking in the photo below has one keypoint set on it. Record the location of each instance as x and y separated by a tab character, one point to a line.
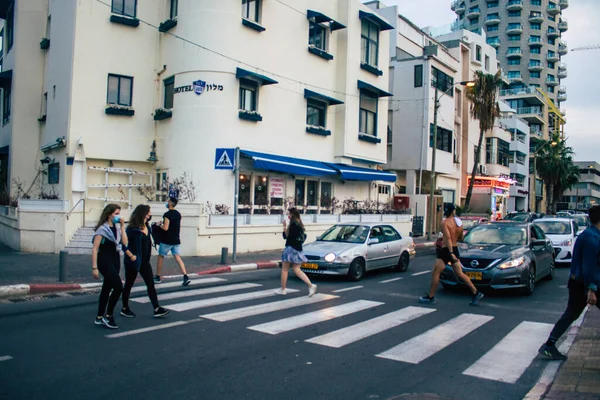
140	245
108	242
292	255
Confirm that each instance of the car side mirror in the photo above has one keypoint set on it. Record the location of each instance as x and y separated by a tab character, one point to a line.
373	241
538	244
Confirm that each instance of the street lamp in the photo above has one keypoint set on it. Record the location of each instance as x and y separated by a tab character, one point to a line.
535	153
433	150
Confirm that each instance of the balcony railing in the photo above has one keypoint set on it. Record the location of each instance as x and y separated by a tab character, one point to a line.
514	53
536	41
563	25
553	9
530	110
536	17
518	28
562	97
492	20
494	42
563	4
562	89
519	91
562	48
514	5
562	66
474	13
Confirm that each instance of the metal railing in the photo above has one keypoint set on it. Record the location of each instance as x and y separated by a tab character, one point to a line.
307	219
68	215
531	110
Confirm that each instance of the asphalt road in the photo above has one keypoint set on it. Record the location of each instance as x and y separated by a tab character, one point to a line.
51	349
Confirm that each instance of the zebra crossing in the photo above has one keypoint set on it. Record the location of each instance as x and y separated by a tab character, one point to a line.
506	361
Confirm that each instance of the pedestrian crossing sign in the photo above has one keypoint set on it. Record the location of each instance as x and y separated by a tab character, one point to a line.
224	158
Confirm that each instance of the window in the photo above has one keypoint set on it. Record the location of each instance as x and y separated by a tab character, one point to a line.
536	2
535	50
316	112
299	193
516	13
120	90
326	194
261	192
127	8
389	234
311	193
250	10
514	74
369	43
514	61
493	28
552	18
6	98
497	151
492	4
368	113
536	27
552	41
169	86
515	25
478	53
383	189
444	139
442	81
474	21
174	9
534	74
418	75
10	26
487	63
550	65
53	173
248	95
244	194
45	104
551	53
514	38
317	36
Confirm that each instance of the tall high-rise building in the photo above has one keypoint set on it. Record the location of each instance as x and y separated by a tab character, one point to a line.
527	36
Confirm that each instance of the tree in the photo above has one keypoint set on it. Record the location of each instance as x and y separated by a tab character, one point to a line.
555	166
484	107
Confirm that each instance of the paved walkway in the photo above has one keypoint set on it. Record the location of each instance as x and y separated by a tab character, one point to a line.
579	376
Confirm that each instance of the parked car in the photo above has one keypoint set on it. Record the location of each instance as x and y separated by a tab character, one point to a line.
469	222
563	233
504	255
354	249
521	217
582	220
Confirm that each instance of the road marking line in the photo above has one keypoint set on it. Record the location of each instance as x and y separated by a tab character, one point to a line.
391	280
311	318
424	346
5	358
150	329
175	284
198	292
244	312
510	357
362	330
421	273
346	289
216	301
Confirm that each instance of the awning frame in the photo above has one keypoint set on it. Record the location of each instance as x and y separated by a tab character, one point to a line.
322	18
309	94
262	79
377	20
374	89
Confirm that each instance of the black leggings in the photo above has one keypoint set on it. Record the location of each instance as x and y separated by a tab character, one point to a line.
112	282
575	306
146	273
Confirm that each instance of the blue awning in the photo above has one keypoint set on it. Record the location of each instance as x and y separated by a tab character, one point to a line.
375	90
263	80
321	18
290	165
309	94
376	19
351	173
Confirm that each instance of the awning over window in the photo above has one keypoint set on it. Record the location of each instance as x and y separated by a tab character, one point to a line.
376	19
375	90
288	165
351	173
309	94
322	18
263	80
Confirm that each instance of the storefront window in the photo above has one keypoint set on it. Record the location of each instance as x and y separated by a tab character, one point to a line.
276	193
311	194
244	204
299	194
261	194
325	197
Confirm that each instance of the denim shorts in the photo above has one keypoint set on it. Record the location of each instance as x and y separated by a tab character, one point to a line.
164	249
293	256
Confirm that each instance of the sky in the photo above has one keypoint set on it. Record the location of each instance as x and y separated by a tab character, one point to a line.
583	90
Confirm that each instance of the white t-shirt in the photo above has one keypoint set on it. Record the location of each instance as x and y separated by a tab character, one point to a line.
458	221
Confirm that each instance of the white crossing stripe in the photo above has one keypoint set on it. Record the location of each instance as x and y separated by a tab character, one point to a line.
216	301
198	292
421	273
391	280
424	346
364	329
150	329
244	312
311	318
5	358
347	289
510	357
176	284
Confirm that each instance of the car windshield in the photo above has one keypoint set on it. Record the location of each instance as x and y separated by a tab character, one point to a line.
497	234
346	234
518	217
581	220
555	227
469	223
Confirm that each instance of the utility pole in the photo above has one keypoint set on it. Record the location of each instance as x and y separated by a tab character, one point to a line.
432	210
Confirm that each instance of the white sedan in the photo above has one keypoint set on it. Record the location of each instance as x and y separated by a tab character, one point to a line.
563	233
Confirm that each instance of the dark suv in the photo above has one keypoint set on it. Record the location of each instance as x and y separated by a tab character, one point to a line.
521	217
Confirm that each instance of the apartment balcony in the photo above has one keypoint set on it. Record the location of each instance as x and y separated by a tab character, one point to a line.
494	42
563	4
562	89
563	112
552	33
533	115
473	13
535	42
562	73
515	53
514	5
515	79
552	81
535	66
562	66
553	57
536	17
562	97
519	167
562	48
459	7
536	134
563	25
530	93
492	20
553	9
512	30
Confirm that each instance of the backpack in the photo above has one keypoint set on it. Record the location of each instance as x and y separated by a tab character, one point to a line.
157	234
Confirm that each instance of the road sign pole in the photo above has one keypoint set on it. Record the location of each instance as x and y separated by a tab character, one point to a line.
236	171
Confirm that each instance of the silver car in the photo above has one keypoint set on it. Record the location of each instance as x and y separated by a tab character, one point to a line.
353	249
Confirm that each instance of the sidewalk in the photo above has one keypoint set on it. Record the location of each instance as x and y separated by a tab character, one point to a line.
579	376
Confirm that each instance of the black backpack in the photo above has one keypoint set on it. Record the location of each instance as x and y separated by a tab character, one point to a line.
157	234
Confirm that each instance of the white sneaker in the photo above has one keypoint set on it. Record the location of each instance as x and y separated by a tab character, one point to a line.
312	290
281	291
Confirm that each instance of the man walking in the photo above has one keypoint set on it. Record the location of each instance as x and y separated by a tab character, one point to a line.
583	283
449	254
171	241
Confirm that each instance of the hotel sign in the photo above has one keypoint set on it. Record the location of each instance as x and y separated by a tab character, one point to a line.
199	87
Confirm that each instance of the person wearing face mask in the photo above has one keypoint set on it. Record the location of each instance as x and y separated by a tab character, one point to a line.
108	242
140	244
171	241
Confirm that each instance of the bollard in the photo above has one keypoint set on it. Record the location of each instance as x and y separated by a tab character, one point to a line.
224	252
63	271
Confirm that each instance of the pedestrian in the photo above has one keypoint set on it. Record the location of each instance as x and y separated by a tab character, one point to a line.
108	242
292	254
449	254
140	245
584	280
171	243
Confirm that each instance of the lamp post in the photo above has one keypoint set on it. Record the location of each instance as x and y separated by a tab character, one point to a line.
433	150
553	143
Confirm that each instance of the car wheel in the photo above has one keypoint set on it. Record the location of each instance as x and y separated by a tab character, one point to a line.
357	270
403	262
550	275
530	285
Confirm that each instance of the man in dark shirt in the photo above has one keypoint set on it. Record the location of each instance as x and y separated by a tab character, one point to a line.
583	283
171	241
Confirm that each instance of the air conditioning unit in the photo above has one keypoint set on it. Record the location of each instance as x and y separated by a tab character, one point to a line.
483	170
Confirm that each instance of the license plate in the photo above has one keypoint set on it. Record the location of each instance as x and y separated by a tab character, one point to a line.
310	266
476	276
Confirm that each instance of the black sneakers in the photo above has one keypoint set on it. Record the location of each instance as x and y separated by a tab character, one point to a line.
98	320
186	281
157	279
109	322
426	299
551	352
160	312
127	313
476	297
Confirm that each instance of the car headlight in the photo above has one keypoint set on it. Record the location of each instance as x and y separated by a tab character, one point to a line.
567	243
330	257
512	263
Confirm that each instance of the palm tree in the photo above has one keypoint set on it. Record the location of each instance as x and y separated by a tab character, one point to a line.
484	107
556	168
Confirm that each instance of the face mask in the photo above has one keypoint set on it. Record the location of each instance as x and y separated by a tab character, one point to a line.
149	218
116	219
167	205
